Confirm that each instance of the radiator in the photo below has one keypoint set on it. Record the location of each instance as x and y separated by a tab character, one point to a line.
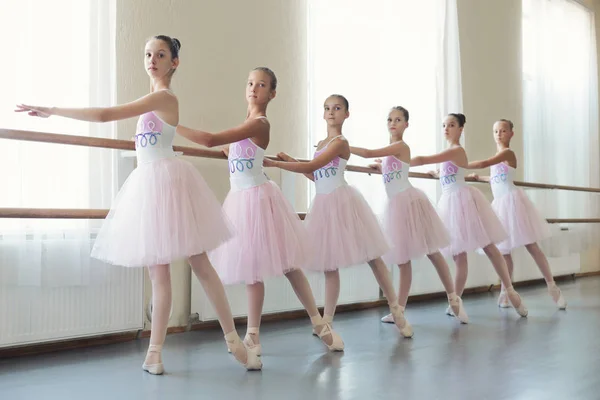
357	285
30	314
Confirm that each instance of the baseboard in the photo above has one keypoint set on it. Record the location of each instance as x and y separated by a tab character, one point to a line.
49	347
586	274
71	344
291	315
170	330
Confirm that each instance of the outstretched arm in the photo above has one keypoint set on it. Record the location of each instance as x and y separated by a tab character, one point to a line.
333	150
504	155
390	150
157	101
446	155
287	158
248	129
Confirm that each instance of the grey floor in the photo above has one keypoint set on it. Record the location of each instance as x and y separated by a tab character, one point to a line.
550	355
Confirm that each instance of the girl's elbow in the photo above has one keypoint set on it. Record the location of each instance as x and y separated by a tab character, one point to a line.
210	141
103	115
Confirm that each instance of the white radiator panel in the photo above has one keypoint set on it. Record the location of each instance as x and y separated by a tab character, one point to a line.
30	314
357	285
481	272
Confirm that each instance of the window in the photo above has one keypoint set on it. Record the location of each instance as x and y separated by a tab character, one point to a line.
57	53
379	54
560	99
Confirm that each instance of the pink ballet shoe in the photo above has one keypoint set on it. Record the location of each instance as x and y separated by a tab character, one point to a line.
252	333
234	343
337	344
249	342
157	368
516	302
328	319
400	321
557	296
458	309
388	319
503	300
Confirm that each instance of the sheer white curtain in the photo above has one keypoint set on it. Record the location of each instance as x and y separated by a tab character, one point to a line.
560	99
380	54
58	52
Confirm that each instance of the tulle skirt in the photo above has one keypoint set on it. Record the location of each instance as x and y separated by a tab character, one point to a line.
413	227
165	211
520	219
470	221
342	231
270	238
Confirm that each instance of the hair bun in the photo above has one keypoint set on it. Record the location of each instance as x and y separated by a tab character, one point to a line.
177	43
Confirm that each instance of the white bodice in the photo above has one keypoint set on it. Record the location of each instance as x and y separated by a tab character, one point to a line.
395	175
502	179
153	139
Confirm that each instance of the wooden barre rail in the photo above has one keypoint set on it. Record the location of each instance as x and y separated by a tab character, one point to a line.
117	144
73	213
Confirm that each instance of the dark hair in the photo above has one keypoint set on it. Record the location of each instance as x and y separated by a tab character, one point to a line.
343	99
271	74
462	120
509	122
174	44
402	110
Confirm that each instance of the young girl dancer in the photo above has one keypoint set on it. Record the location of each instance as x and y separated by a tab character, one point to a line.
164	211
410	222
343	231
270	239
517	213
466	213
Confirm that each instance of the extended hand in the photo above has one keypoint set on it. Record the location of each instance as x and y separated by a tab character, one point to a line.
34	111
377	164
267	162
284	156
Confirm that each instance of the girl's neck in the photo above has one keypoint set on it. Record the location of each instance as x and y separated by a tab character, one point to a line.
500	147
161	84
333	131
396	137
255	111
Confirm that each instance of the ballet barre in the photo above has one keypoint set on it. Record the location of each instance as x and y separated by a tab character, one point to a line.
119	144
83	213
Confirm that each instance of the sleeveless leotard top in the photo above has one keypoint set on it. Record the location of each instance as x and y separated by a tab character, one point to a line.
395	175
331	176
246	164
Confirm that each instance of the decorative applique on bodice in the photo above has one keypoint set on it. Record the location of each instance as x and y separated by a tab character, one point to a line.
153	138
502	179
246	164
330	176
395	175
451	176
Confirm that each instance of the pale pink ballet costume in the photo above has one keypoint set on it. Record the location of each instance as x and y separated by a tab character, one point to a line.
410	221
466	213
270	239
521	220
342	229
164	211
517	213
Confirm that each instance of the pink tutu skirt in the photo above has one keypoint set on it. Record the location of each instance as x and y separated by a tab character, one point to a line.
270	239
164	212
470	220
412	227
520	219
342	231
